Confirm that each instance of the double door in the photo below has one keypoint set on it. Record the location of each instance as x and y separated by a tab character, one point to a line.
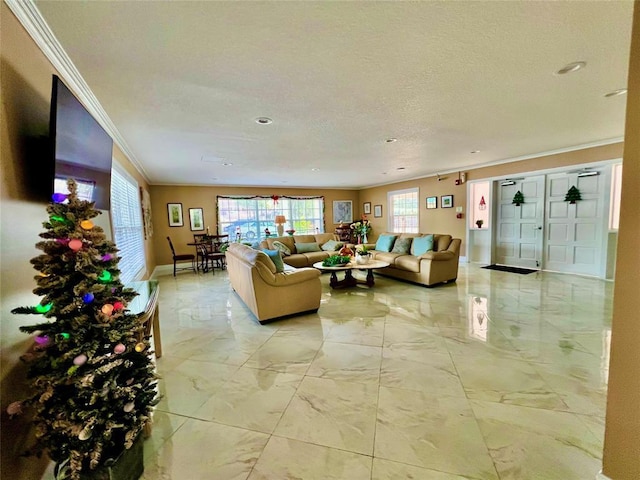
548	232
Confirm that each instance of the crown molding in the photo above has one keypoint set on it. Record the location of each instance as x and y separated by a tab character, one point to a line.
34	23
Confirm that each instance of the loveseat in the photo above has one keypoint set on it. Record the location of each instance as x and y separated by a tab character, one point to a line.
304	250
270	294
439	264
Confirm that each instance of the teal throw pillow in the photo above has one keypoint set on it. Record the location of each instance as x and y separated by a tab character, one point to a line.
332	246
308	247
402	245
282	247
422	245
385	242
276	258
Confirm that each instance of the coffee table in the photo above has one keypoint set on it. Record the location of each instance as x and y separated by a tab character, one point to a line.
349	280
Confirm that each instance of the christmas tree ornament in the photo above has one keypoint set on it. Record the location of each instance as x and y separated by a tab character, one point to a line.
85	434
107	309
59	197
119	348
105	276
140	347
118	306
14	408
88	297
86	224
62	241
573	195
44	308
75	244
41	340
128	406
106	257
57	218
72	370
65	336
80	360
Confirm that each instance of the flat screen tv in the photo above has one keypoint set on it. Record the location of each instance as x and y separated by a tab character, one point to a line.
82	148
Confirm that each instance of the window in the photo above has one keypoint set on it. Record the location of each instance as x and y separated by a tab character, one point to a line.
403	211
127	226
249	217
616	190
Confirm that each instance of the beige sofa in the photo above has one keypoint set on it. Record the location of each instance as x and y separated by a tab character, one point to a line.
297	259
268	294
430	268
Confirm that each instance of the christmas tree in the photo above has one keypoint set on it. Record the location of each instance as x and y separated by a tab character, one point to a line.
572	195
518	198
91	373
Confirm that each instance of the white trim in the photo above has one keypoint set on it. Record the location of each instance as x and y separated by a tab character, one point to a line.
34	23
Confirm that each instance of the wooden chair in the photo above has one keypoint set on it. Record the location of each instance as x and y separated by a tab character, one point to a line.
210	258
182	258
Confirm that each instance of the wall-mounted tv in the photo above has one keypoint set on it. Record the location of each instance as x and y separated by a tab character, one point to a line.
83	149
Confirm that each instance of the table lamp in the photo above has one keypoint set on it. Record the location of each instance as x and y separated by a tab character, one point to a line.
280	221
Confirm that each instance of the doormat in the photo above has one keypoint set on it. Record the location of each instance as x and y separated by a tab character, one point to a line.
504	268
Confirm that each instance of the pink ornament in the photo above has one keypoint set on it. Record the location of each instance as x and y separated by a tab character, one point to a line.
128	407
118	306
14	408
80	360
119	348
75	244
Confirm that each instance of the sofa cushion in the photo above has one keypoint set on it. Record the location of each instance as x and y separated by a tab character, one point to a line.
441	242
276	258
278	245
421	245
308	247
332	246
402	245
286	240
385	243
408	263
323	238
388	257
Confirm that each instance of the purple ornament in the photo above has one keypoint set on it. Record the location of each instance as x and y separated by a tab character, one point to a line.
106	257
88	297
42	339
58	197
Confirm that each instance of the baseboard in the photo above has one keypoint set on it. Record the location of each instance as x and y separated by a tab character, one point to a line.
601	476
161	270
463	260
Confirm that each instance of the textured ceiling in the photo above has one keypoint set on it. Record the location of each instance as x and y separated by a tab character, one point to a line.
184	82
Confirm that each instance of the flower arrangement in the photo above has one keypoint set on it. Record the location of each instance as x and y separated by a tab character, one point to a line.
361	228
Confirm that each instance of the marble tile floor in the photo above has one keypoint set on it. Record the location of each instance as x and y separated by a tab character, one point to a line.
499	376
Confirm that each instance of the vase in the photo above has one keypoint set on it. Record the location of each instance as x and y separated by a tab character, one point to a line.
364	237
362	259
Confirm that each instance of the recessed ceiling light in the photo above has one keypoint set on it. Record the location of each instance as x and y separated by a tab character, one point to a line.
315	169
475	151
263	120
400	168
226	164
615	93
572	67
391	140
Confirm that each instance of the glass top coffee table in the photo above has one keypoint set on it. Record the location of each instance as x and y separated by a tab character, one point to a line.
349	280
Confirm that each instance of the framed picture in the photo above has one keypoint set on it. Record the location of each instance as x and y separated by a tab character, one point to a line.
196	219
446	201
145	204
432	202
377	211
342	211
175	214
367	208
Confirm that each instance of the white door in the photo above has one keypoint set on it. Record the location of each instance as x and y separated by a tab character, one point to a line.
519	228
574	231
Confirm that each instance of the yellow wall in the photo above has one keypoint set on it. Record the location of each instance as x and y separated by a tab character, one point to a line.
621	459
205	198
25	92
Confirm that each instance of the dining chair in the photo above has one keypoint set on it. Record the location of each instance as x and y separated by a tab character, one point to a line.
210	258
183	257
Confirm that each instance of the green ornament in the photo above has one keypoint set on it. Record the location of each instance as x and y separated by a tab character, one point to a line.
105	276
44	308
57	218
65	335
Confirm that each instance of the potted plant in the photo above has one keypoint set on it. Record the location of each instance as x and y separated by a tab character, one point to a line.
479	223
362	254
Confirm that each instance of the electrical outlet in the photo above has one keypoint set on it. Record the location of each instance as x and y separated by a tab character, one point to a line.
458	209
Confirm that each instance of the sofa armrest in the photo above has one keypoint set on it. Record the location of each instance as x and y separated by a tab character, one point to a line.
291	277
438	256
